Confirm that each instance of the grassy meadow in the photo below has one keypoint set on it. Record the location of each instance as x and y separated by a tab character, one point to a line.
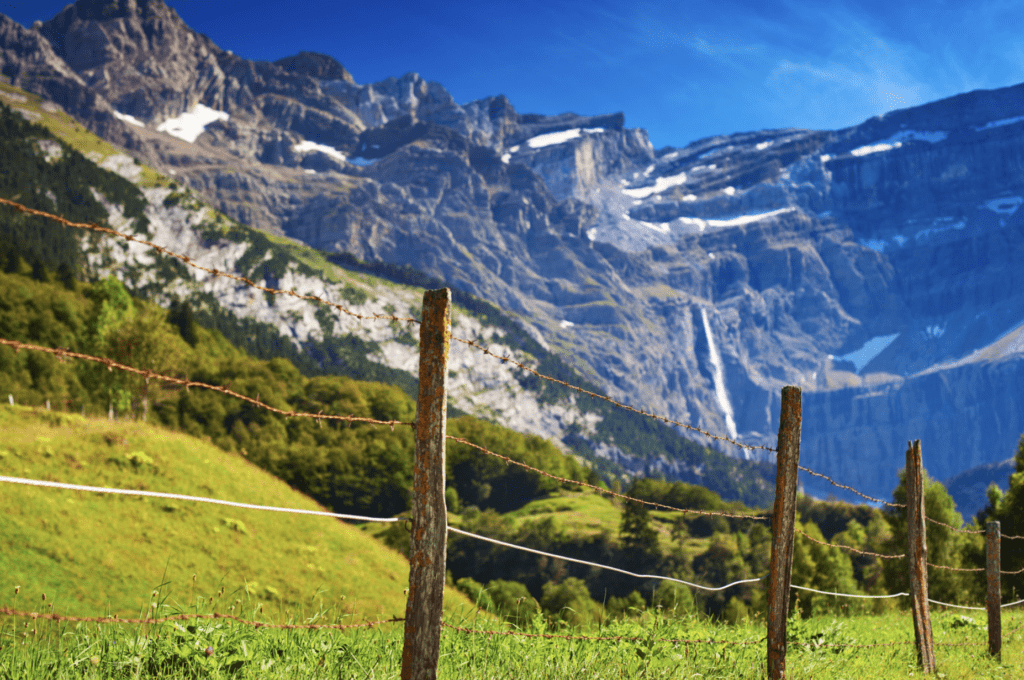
93	554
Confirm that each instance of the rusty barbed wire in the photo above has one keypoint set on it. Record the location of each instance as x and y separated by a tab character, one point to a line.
850	488
643	412
552	636
111	365
1001	536
8	611
192	263
1012	573
964	569
653	504
959	530
866	553
818	645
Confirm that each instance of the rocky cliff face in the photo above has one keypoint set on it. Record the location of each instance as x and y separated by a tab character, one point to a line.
873	266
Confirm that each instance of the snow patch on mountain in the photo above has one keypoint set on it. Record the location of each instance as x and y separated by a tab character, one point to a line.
999	123
660	184
190	124
128	118
871	349
896	141
306	146
1004	205
552	138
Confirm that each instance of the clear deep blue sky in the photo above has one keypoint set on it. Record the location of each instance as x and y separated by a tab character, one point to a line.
682	70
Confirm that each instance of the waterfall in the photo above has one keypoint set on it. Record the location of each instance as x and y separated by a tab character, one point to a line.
719	376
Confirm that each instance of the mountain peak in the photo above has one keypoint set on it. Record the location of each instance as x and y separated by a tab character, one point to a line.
316	65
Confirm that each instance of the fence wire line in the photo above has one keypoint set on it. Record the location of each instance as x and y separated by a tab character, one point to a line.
601	566
7	611
892	505
643	412
387	317
584	637
956	606
111	365
197	499
850	488
865	597
959	530
866	553
599	489
190	262
966	569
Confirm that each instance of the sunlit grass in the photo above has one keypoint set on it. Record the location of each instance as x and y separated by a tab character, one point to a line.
96	553
654	646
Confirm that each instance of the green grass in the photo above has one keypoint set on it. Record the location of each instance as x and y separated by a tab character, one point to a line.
91	554
223	649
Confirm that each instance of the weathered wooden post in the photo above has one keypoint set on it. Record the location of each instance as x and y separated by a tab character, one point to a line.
429	540
994	597
917	558
783	529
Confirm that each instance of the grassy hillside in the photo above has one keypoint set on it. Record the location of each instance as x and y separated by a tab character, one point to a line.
97	553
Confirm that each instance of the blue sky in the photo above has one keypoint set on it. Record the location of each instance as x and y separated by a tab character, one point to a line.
682	70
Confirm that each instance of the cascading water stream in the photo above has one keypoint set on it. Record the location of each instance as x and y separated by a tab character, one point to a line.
719	377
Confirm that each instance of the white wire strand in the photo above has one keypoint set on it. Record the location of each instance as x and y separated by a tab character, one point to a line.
865	597
197	499
600	566
958	606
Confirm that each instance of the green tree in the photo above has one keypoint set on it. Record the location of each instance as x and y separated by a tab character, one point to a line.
569	601
1008	510
945	546
639	539
821	567
513	601
630	606
675	599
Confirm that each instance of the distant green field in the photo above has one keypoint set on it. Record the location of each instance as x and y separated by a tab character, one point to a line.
92	554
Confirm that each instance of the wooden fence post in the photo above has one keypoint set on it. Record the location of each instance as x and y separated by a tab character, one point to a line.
917	557
429	540
783	529
994	595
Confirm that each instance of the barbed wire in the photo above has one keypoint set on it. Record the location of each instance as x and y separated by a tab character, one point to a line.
962	569
565	480
197	499
1011	537
602	566
887	503
8	611
845	645
959	530
62	353
643	412
866	553
850	488
1012	573
192	263
553	636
